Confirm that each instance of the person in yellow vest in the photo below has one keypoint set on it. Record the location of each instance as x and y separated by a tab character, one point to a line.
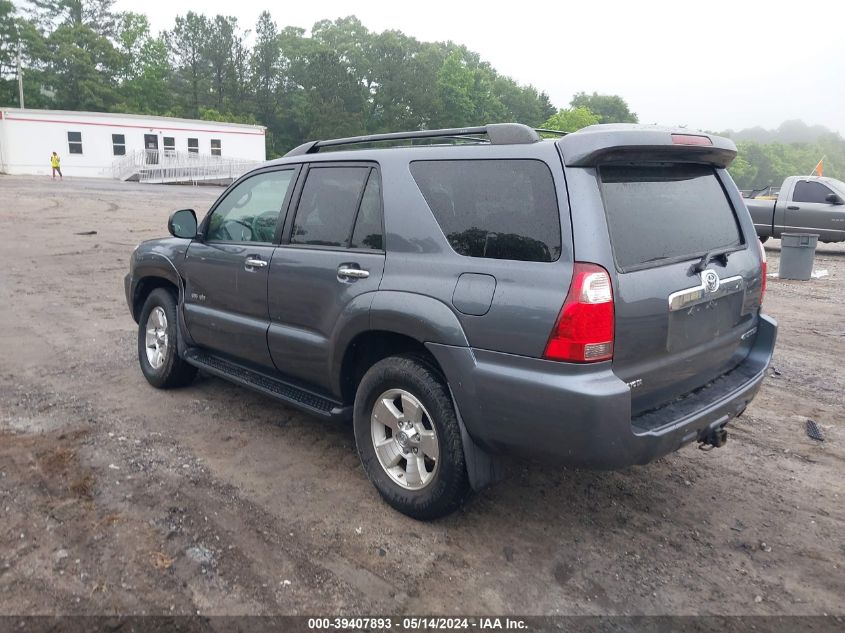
56	164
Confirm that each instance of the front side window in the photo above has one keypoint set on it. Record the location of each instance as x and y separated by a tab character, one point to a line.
328	204
193	145
809	191
74	142
250	211
215	147
118	144
497	209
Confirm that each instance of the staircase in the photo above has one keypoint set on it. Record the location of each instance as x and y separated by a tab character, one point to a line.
171	167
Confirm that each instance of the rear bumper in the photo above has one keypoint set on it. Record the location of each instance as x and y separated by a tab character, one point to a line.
581	415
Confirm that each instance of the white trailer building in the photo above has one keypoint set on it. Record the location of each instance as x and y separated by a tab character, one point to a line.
109	145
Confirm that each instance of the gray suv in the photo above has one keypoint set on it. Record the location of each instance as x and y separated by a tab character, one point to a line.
593	299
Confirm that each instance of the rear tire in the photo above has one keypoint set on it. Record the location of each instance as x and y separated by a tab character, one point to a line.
157	353
408	438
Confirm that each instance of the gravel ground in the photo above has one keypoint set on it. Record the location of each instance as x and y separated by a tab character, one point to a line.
116	498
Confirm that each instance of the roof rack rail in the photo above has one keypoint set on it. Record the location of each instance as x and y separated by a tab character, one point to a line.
497	134
545	131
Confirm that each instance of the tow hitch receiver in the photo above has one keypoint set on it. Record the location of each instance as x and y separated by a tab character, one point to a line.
716	438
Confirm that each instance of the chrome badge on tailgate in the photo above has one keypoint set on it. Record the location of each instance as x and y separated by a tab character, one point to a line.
710	288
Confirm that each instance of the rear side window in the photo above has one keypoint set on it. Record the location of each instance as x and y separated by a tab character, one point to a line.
666	211
498	209
328	204
810	192
368	231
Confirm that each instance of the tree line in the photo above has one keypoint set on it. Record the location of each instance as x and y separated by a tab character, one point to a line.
338	79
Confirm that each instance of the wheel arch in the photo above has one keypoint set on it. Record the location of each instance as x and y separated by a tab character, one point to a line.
146	283
395	323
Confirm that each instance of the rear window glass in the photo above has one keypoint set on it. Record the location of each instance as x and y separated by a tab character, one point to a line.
668	211
498	209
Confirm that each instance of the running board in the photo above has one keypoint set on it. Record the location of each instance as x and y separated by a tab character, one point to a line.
270	385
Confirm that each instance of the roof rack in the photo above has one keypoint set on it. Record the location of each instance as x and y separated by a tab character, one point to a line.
555	132
497	134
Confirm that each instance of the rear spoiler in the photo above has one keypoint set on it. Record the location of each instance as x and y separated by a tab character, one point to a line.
623	142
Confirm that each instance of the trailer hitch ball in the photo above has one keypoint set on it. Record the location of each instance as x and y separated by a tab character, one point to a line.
715	439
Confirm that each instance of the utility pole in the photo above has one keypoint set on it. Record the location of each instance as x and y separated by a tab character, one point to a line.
20	77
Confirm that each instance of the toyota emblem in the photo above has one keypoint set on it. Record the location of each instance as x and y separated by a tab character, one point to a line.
710	281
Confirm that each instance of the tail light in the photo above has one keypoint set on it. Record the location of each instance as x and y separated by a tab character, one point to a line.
583	332
763	283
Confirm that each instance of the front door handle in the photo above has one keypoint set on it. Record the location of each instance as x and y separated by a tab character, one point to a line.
346	272
793	208
254	262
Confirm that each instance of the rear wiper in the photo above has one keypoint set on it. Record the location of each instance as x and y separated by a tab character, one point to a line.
710	256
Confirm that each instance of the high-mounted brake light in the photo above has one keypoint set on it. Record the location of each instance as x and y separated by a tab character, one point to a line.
583	332
763	283
691	139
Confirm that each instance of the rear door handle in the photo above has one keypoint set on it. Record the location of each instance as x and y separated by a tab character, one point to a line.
793	208
346	272
254	262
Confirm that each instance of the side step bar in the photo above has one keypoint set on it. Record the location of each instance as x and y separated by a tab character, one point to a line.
298	397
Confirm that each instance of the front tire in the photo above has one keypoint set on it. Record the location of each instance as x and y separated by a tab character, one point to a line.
408	438
157	353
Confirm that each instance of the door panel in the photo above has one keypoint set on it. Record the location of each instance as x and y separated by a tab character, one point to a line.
226	274
336	258
226	299
308	299
823	218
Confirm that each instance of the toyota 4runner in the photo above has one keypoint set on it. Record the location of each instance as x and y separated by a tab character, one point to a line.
594	299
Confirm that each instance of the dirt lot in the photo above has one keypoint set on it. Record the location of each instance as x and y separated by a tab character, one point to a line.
116	498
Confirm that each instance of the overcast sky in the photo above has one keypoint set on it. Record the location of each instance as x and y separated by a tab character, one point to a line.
712	65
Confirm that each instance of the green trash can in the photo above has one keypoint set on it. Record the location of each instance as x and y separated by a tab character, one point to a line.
797	253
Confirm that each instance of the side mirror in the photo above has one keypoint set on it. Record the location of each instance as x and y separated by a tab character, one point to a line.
832	198
183	223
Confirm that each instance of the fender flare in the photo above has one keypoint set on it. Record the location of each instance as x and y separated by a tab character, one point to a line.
420	317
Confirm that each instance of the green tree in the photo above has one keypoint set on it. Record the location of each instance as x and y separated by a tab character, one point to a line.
192	70
571	120
81	63
145	67
609	108
8	52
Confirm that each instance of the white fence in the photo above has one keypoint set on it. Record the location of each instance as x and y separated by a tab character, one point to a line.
168	166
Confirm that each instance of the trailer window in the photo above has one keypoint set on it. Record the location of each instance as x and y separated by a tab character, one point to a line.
118	144
666	212
193	145
74	142
215	147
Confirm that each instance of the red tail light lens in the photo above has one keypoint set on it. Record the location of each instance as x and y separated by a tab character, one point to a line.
584	329
763	283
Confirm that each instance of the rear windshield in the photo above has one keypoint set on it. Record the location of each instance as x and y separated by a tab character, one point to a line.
666	211
498	209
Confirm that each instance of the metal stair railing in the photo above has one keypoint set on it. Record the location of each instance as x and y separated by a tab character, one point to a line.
154	166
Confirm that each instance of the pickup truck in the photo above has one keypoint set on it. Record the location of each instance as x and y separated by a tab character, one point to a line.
805	204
